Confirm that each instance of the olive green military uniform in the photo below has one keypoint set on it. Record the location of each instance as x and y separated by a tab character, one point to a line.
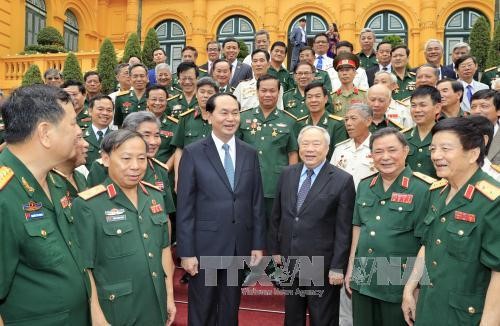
168	129
342	100
294	103
71	191
419	156
384	124
202	73
332	123
462	247
391	227
128	103
42	280
366	62
443	116
227	89
123	245
156	174
490	75
178	104
83	118
319	76
283	76
406	86
173	91
94	145
191	128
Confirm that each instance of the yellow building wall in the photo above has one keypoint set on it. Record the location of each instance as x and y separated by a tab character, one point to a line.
116	19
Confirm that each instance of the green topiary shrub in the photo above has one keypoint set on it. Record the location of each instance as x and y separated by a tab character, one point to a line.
393	39
132	47
494	51
72	69
479	41
30	49
49	36
106	66
243	50
32	76
150	43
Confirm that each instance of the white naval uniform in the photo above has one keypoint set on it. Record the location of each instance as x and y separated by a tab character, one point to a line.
246	93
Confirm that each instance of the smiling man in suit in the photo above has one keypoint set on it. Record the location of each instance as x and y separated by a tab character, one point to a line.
311	217
239	71
220	213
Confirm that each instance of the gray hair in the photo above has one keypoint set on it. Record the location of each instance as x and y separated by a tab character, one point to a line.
162	66
460	45
387	132
52	72
365	111
262	32
393	77
134	120
323	131
433	40
116	138
434	69
366	30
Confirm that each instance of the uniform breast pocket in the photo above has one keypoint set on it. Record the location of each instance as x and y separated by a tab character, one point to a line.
461	242
400	216
280	136
43	247
117	302
118	239
365	208
159	226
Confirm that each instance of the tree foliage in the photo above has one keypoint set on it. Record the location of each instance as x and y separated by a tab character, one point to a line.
150	43
132	48
494	51
72	69
243	50
393	39
106	66
479	41
32	76
50	36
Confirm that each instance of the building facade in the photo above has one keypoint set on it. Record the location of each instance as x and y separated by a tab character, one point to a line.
84	23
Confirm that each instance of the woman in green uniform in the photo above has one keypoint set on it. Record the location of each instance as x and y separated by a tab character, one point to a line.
461	242
122	230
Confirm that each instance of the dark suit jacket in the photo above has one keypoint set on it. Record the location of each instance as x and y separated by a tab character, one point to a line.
94	146
242	72
494	152
370	73
212	219
447	71
296	36
323	225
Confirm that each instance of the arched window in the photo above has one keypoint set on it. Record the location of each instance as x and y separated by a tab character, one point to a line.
314	24
36	13
458	28
70	31
388	23
238	27
172	37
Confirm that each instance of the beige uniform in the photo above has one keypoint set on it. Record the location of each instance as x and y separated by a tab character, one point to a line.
400	113
246	93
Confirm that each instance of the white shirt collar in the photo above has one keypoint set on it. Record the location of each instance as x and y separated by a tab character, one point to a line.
220	150
95	129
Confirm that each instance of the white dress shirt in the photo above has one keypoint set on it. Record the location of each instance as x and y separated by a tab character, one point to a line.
327	61
476	86
222	153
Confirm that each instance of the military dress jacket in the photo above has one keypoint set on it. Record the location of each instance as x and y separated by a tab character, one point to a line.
42	278
391	227
273	138
462	247
419	156
192	127
127	103
122	245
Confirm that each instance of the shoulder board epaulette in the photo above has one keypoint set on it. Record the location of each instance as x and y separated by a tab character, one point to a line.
424	177
172	119
6	175
335	117
172	97
163	165
405	130
438	184
289	91
151	186
412	73
495	167
186	112
403	100
342	142
56	171
92	192
290	114
490	69
490	191
122	92
363	90
202	70
402	103
401	127
247	109
99	160
303	118
369	176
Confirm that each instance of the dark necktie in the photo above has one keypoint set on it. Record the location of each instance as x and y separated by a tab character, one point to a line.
384	68
319	64
99	136
469	92
222	89
304	189
228	165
